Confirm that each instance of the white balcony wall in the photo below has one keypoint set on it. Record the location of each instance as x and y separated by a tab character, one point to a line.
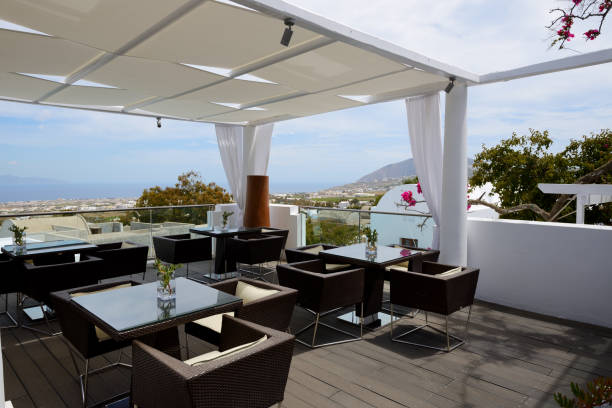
561	270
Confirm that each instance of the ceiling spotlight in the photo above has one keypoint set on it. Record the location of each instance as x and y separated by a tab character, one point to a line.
450	85
288	32
158	122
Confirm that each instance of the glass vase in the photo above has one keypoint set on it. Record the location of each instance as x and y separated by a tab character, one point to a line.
20	247
166	289
370	249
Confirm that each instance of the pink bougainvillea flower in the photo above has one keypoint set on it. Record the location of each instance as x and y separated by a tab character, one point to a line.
405	252
419	190
591	34
577	2
469	206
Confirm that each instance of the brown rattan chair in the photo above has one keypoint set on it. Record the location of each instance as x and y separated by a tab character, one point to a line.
321	293
40	280
435	289
253	377
11	283
274	310
82	336
284	233
182	249
121	259
255	250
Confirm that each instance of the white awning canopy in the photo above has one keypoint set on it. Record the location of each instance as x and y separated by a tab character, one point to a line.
199	60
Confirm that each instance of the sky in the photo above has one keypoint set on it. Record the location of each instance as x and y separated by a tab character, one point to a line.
481	36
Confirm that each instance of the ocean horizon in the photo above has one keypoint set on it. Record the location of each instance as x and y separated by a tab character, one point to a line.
76	191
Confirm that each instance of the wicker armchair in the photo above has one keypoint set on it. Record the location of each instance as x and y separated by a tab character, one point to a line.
182	248
274	310
82	336
11	283
280	232
310	253
438	288
255	249
254	377
122	260
40	280
322	293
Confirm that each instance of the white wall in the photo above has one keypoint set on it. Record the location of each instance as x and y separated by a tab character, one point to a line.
561	270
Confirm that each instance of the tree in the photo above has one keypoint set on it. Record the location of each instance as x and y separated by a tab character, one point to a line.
593	11
190	189
516	165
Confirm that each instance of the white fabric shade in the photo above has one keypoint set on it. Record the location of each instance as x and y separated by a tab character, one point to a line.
423	114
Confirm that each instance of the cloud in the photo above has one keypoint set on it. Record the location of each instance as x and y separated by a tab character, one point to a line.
12	163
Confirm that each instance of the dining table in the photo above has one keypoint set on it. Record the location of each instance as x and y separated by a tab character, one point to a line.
33	250
223	265
136	312
374	264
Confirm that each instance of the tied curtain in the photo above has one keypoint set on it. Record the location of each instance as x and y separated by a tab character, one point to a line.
424	129
245	150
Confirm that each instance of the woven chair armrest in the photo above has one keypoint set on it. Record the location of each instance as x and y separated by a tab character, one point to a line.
313	265
159	379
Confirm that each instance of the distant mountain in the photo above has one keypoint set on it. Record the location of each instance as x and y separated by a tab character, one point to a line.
398	170
10	180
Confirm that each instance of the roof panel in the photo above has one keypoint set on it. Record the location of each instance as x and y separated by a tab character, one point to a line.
219	35
107	24
310	105
387	83
152	77
89	95
239	91
187	108
24	87
331	66
241	116
39	54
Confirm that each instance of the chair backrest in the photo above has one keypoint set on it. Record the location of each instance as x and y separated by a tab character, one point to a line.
300	254
182	248
9	269
255	249
79	330
40	280
122	261
278	232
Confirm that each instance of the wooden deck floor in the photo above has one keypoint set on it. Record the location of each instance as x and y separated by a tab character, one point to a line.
512	359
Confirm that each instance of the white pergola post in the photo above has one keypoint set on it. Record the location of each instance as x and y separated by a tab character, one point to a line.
581	201
453	215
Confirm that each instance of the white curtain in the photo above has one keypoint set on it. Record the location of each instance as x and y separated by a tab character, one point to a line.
229	138
245	150
426	143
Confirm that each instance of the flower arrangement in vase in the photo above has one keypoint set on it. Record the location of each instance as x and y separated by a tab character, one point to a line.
226	215
166	290
19	237
371	240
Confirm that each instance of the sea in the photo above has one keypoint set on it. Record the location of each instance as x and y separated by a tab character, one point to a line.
75	191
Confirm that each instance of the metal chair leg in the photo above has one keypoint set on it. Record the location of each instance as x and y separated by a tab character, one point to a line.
314	334
84	383
8	314
316	323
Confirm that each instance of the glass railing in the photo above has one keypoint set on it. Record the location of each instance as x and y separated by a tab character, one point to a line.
345	226
137	225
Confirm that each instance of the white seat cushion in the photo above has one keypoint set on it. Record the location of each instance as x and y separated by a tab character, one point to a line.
213	322
335	267
398	267
249	293
450	272
215	354
127	245
100	334
314	250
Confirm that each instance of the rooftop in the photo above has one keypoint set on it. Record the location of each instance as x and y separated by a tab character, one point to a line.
513	359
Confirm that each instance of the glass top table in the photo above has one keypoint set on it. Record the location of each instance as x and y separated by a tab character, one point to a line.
356	254
133	311
223	266
33	249
374	315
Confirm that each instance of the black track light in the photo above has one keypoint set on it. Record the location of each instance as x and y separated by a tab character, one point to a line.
288	32
450	85
158	122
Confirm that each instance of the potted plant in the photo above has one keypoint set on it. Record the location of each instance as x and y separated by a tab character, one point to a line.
226	215
166	290
19	238
371	239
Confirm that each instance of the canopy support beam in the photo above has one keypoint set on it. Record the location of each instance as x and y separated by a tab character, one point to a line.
453	215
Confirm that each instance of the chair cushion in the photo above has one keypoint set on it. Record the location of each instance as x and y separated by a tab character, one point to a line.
125	245
249	293
398	267
213	322
314	250
100	334
450	272
336	267
215	354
